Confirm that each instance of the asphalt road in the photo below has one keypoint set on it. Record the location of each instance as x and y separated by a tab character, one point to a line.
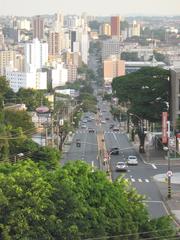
140	176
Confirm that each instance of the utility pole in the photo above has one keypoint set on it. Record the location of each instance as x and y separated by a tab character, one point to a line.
52	129
169	166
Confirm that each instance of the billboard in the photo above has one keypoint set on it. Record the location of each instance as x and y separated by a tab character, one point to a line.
164	127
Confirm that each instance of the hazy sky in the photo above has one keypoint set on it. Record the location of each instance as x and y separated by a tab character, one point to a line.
92	7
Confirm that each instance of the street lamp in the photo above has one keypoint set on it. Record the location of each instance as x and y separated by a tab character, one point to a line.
141	132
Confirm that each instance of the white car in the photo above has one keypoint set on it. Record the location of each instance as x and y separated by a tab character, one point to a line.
103	121
121	166
132	160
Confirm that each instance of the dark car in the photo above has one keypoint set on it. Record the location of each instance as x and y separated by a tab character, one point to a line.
115	129
114	151
78	143
107	118
91	130
111	126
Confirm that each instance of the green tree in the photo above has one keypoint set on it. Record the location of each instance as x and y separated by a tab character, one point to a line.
129	56
47	157
32	98
148	96
149	92
19	119
71	202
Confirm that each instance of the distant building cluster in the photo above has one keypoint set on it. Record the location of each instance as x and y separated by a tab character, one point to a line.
45	51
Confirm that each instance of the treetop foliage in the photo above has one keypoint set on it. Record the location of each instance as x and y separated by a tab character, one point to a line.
146	92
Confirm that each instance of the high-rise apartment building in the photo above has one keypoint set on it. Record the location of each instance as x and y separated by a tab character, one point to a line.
105	29
113	67
111	47
72	72
115	26
7	59
38	27
54	43
73	39
36	55
59	21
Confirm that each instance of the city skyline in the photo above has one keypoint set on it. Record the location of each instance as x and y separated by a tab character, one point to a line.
128	7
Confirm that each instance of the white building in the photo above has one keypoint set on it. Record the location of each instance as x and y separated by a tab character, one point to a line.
36	55
35	80
59	75
84	47
24	24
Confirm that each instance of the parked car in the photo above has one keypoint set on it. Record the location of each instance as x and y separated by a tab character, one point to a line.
107	118
115	129
83	126
132	160
114	151
78	142
91	130
121	166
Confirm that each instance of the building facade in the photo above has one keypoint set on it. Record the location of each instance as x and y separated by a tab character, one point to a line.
115	26
38	27
113	67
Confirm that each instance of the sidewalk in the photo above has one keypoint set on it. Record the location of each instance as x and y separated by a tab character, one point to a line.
158	157
154	156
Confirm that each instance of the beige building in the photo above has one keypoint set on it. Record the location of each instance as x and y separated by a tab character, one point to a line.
54	43
38	27
72	72
113	67
7	59
105	29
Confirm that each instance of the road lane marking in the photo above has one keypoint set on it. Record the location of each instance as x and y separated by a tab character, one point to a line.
139	179
154	166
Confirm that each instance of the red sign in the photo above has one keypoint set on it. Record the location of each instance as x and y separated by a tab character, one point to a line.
164	127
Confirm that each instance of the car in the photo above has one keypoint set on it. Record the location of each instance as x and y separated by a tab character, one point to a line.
84	120
114	151
103	121
121	166
83	126
91	130
132	160
78	142
107	118
111	126
115	129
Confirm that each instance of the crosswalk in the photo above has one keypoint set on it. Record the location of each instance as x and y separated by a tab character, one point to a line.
138	180
106	132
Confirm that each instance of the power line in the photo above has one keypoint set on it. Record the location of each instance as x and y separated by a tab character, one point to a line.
133	234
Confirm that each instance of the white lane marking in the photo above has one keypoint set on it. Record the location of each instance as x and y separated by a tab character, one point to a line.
146	180
139	179
154	166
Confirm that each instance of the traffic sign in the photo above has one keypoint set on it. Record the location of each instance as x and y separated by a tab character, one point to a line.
169	173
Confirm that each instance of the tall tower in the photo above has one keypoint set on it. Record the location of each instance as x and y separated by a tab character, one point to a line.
59	22
115	26
36	55
54	43
38	27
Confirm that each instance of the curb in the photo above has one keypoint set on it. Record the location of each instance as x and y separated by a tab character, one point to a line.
173	216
